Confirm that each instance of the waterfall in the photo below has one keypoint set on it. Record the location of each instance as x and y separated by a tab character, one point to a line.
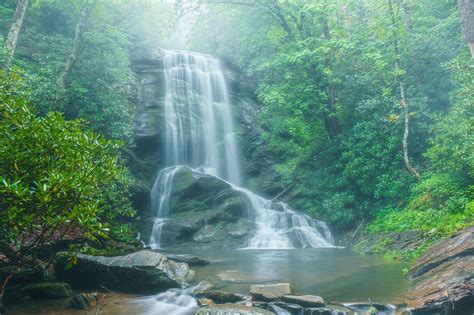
199	134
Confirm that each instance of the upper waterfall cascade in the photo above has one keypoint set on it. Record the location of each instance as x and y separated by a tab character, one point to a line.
200	134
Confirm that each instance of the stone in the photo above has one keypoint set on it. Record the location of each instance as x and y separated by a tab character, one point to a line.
270	292
304	300
191	260
205	302
144	271
280	307
231	309
84	301
220	297
48	290
329	310
442	279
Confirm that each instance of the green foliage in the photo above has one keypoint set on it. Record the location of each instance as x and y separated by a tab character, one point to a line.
58	179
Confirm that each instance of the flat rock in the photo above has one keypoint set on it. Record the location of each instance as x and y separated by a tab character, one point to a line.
141	272
270	292
231	309
191	260
304	300
443	278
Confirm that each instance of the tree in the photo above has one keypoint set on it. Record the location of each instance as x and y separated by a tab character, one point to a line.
15	29
466	10
406	111
56	178
78	33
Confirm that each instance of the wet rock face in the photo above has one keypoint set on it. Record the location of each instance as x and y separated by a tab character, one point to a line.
206	212
141	272
443	278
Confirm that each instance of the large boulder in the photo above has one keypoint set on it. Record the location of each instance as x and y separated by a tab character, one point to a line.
206	212
141	272
443	277
270	292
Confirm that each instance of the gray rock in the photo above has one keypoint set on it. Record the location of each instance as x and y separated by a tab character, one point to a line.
191	260
270	292
304	300
282	307
220	297
142	272
231	309
48	290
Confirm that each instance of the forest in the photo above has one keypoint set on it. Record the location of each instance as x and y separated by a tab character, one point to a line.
191	127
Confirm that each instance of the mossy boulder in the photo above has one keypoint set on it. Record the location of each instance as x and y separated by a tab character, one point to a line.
206	211
48	290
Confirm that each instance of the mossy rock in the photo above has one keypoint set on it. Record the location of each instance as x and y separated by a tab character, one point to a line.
48	290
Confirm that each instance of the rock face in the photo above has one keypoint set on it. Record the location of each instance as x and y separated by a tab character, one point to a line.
206	212
270	292
141	272
443	278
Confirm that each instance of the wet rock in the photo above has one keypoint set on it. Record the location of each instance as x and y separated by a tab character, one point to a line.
205	302
191	260
84	301
328	310
370	308
304	300
270	292
48	290
221	297
443	278
231	309
282	307
142	272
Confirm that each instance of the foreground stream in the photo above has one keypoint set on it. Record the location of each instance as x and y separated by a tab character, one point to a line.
338	275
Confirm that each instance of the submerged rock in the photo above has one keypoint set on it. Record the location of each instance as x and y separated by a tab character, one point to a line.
304	300
48	290
443	278
142	272
231	309
270	292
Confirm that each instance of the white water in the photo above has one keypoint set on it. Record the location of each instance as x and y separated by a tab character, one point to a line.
200	134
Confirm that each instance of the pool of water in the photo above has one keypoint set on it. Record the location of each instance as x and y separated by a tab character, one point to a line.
338	275
335	274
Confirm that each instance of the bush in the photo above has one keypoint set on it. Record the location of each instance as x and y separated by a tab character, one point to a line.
56	177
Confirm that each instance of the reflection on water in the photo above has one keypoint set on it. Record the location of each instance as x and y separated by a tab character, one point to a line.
334	274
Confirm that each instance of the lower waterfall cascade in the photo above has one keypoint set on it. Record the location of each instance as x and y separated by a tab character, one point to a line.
200	135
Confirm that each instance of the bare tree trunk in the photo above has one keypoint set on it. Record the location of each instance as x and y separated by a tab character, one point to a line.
83	16
406	110
466	12
406	133
14	33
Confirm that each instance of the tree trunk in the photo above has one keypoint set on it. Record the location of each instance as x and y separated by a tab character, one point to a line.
14	33
466	12
79	30
406	111
330	120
